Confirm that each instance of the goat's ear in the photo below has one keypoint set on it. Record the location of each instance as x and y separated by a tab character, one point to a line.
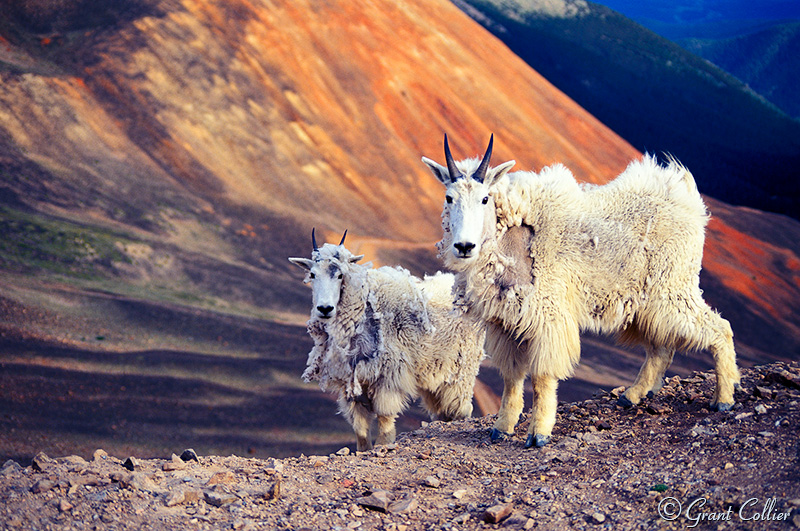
355	259
494	174
439	171
305	263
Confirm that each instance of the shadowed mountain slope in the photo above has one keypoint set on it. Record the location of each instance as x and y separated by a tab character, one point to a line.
657	96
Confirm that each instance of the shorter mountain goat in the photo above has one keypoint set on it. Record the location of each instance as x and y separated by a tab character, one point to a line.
542	258
382	337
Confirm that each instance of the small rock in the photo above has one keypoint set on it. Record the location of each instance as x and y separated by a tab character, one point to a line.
274	491
138	481
274	466
189	455
43	485
766	434
132	464
796	520
64	506
10	467
598	518
602	425
40	461
432	481
405	505
741	416
377	501
460	493
219	498
728	466
761	409
221	478
175	463
343	451
461	519
182	496
617	391
99	455
498	513
318	460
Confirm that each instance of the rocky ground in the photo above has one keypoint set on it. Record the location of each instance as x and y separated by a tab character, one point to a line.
668	464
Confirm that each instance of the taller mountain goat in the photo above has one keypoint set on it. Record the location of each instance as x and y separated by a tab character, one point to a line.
542	258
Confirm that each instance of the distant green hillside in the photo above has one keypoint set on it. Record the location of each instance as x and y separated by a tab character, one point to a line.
657	96
767	60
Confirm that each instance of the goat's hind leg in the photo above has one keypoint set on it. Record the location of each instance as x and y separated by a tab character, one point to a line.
543	412
651	376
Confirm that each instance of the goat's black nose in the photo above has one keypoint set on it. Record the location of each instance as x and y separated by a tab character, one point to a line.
324	310
464	249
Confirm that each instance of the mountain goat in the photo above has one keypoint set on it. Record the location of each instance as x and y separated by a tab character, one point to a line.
382	337
542	258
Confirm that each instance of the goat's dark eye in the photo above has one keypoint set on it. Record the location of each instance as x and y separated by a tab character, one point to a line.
485	200
449	200
340	276
311	275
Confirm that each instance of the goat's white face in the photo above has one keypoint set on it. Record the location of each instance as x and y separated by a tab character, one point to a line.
469	206
326	272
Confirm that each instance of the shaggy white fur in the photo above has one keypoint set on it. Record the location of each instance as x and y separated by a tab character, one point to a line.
552	258
387	337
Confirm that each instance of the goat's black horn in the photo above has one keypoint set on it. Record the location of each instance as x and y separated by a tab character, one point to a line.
451	164
314	240
343	237
480	173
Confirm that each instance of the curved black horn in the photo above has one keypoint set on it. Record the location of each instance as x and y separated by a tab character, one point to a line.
451	164
343	237
314	240
480	173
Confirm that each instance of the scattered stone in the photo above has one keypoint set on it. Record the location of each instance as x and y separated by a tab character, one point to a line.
728	466
432	481
343	451
175	463
132	464
99	455
64	505
377	501
221	478
43	485
274	490
41	461
761	409
182	496
617	391
602	425
218	498
598	518
498	513
658	409
10	467
460	493
274	466
406	505
318	460
742	416
189	455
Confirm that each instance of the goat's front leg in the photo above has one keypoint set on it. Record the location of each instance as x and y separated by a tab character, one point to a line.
510	408
543	413
386	429
360	419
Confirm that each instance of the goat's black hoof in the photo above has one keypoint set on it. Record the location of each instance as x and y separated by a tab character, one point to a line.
496	435
722	406
537	440
623	401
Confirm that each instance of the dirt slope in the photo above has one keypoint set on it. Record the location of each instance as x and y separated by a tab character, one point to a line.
667	465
